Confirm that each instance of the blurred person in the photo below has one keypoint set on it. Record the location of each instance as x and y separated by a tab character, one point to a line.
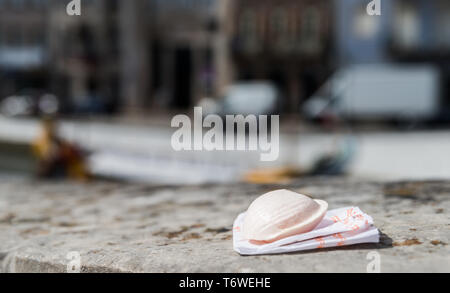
58	158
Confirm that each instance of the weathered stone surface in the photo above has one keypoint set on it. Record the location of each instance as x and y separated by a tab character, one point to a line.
120	227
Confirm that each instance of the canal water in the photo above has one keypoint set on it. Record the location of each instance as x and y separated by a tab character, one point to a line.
16	159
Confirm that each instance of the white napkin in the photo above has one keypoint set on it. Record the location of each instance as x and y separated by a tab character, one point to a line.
339	227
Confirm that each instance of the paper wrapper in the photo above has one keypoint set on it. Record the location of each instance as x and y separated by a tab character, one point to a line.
339	227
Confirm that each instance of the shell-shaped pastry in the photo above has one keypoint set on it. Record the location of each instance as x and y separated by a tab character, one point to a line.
282	213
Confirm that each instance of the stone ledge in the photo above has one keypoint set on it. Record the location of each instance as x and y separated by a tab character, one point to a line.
137	228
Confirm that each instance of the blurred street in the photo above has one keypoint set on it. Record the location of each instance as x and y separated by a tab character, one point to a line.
143	152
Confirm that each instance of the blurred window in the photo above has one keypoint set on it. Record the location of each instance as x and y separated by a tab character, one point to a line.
365	26
278	22
23	35
279	25
113	5
39	4
19	4
182	4
310	29
28	36
248	30
13	36
8	4
33	37
407	25
444	24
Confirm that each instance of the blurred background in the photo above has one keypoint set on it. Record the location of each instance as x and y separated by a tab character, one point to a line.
92	96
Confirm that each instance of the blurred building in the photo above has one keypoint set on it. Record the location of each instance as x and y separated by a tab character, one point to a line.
162	54
175	53
214	43
134	55
421	34
43	48
23	48
167	51
408	31
359	37
287	42
84	54
416	27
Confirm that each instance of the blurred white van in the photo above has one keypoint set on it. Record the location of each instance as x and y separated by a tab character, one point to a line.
366	92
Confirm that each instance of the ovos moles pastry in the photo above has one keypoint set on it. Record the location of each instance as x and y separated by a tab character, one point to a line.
282	213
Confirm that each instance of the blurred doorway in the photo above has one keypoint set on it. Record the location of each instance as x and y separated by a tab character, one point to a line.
182	91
